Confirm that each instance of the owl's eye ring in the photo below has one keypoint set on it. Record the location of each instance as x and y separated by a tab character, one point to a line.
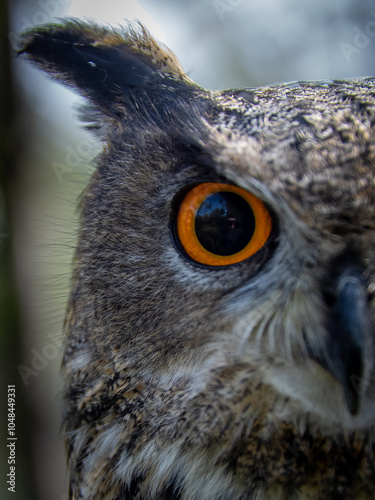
222	224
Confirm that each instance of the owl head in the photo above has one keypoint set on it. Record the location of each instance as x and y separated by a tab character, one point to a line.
221	322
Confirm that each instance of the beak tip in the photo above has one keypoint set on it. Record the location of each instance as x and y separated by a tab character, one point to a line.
353	400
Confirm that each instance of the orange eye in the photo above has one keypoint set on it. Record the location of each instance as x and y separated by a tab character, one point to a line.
220	224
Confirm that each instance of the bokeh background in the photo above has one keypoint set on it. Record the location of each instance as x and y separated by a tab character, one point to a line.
47	159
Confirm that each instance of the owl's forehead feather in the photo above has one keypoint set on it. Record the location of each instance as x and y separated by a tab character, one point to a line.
312	144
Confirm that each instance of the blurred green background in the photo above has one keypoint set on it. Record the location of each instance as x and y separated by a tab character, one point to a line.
47	160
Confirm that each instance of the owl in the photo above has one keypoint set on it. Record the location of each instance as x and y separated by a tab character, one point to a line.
220	332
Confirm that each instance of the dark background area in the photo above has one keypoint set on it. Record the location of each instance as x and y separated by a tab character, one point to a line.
46	161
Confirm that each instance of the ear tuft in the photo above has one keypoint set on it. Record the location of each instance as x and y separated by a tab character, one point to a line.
114	68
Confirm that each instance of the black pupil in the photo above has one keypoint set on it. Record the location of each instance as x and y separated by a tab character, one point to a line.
224	223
